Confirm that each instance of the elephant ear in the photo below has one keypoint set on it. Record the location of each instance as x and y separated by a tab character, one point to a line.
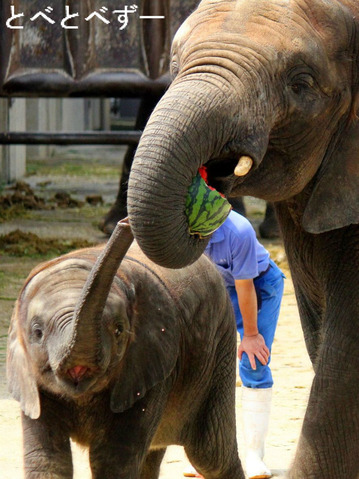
334	202
153	351
21	381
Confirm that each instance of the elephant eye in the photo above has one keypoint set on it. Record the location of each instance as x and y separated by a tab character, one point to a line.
174	69
37	332
299	88
302	84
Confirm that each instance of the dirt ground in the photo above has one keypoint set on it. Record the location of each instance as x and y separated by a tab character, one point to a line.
290	364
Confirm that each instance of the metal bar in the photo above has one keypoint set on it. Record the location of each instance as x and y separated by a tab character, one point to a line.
79	138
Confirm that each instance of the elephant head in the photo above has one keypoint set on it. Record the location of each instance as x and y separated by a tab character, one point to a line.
74	331
265	96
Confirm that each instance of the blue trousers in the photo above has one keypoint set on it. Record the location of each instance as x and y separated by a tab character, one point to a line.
269	290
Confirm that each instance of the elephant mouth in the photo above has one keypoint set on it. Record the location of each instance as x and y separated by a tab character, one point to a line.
79	388
220	175
77	385
206	205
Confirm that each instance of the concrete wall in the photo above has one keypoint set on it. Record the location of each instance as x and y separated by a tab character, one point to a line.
42	114
45	114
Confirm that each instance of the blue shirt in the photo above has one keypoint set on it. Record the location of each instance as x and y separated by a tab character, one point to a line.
235	250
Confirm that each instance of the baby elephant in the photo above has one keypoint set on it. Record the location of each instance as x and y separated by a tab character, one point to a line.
126	358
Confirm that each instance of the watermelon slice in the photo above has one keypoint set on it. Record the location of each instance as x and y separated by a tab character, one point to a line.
206	208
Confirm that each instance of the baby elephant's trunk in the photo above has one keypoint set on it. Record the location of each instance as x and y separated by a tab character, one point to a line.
85	347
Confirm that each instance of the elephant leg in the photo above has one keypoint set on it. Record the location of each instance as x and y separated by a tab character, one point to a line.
122	452
112	460
211	443
311	314
118	210
269	227
212	447
47	450
238	205
152	464
329	442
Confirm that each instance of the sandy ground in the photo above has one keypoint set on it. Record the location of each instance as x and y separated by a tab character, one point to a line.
290	365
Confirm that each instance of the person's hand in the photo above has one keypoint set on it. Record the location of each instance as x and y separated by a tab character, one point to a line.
255	347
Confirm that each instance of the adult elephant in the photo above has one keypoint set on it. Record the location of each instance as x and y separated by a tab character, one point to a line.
268	90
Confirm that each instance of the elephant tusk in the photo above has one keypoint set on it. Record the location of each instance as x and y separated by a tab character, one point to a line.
244	166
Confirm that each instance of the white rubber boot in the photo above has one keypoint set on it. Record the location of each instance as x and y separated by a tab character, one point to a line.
256	404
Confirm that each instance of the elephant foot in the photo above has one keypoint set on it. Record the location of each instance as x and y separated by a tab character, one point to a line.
117	212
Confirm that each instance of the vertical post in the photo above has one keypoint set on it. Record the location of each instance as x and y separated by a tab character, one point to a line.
13	158
154	34
38	118
3	149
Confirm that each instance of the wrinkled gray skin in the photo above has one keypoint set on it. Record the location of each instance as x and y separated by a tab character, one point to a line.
156	367
276	80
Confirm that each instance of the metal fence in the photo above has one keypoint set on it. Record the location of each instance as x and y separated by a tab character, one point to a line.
86	48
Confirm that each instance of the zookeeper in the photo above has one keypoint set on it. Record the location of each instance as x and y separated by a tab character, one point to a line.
255	285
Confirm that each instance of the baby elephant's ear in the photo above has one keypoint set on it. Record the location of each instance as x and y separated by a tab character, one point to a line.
334	202
21	381
153	352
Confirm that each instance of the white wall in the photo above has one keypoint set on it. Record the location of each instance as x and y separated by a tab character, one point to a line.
45	114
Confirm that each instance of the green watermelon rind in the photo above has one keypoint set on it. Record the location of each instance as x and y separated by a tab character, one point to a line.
206	209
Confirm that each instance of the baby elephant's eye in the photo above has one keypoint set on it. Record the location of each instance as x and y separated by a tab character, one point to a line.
37	331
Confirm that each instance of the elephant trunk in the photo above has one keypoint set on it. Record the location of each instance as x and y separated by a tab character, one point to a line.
188	127
86	344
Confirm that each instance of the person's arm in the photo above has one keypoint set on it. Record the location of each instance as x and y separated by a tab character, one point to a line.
252	343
